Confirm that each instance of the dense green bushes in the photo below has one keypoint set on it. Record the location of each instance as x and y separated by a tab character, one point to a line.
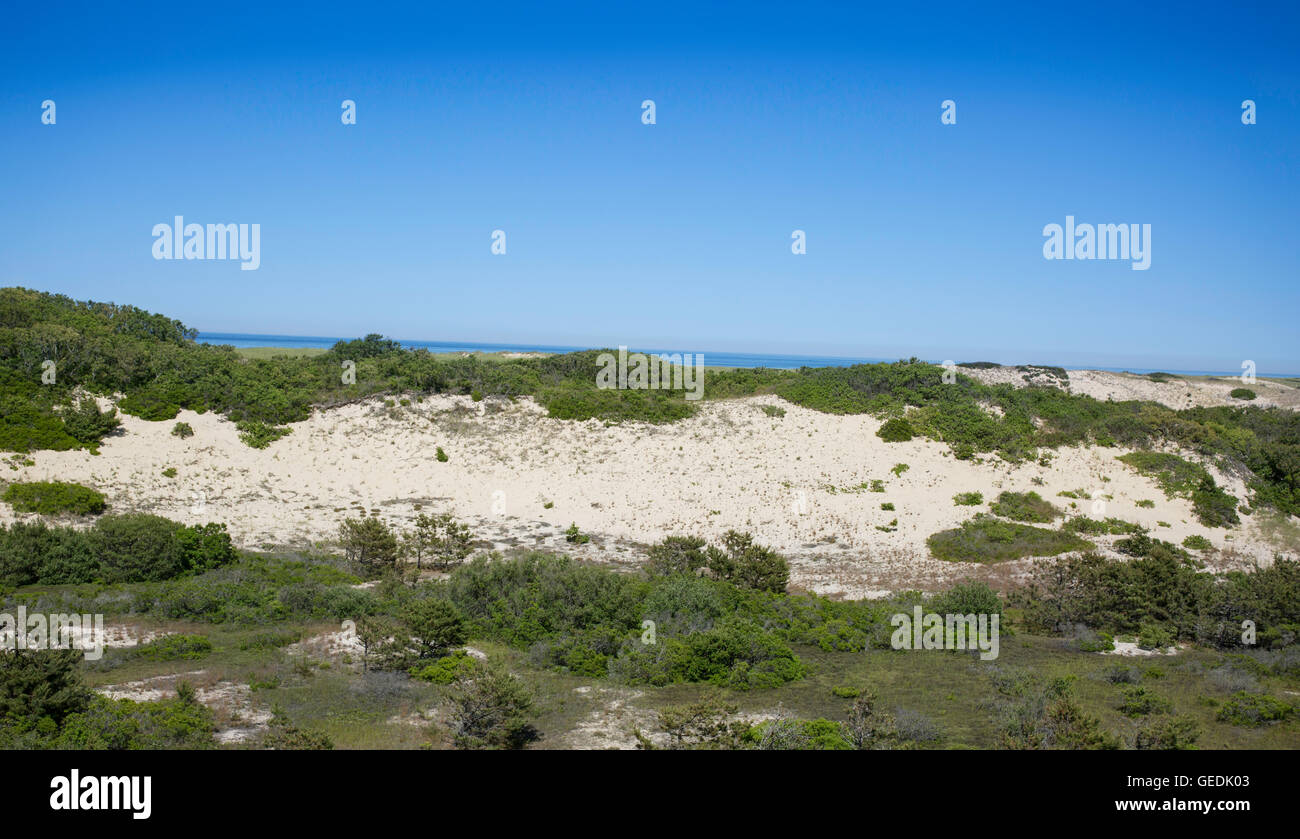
896	430
1158	588
127	548
51	498
45	705
672	628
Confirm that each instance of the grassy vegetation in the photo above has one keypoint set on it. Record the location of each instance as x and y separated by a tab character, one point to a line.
51	498
550	625
986	539
1024	506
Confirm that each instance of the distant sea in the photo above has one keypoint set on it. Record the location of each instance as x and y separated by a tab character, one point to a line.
711	359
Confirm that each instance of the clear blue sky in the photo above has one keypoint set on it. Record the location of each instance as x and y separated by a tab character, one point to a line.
923	239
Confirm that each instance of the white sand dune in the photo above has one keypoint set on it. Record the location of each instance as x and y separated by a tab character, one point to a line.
793	481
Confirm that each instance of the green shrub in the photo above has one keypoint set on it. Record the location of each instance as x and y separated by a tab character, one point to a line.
369	543
1141	701
169	472
1252	710
149	405
743	562
258	434
985	539
968	499
174	648
1178	733
1024	506
676	555
1110	527
54	497
1140	544
1153	636
441	455
448	669
182	430
1197	542
896	430
1242	393
973	598
1103	642
575	536
87	424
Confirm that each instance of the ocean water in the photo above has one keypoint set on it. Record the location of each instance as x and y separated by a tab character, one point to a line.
711	359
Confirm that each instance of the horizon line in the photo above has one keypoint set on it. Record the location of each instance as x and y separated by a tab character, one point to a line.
502	346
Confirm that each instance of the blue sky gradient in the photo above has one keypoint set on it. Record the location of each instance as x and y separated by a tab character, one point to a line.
923	239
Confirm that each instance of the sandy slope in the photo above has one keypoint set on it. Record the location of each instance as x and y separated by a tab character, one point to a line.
788	480
1179	393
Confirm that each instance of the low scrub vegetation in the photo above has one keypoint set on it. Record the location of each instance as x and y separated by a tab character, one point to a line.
1024	506
986	539
50	498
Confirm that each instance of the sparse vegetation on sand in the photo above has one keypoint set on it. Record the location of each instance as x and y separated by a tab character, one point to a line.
1181	478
